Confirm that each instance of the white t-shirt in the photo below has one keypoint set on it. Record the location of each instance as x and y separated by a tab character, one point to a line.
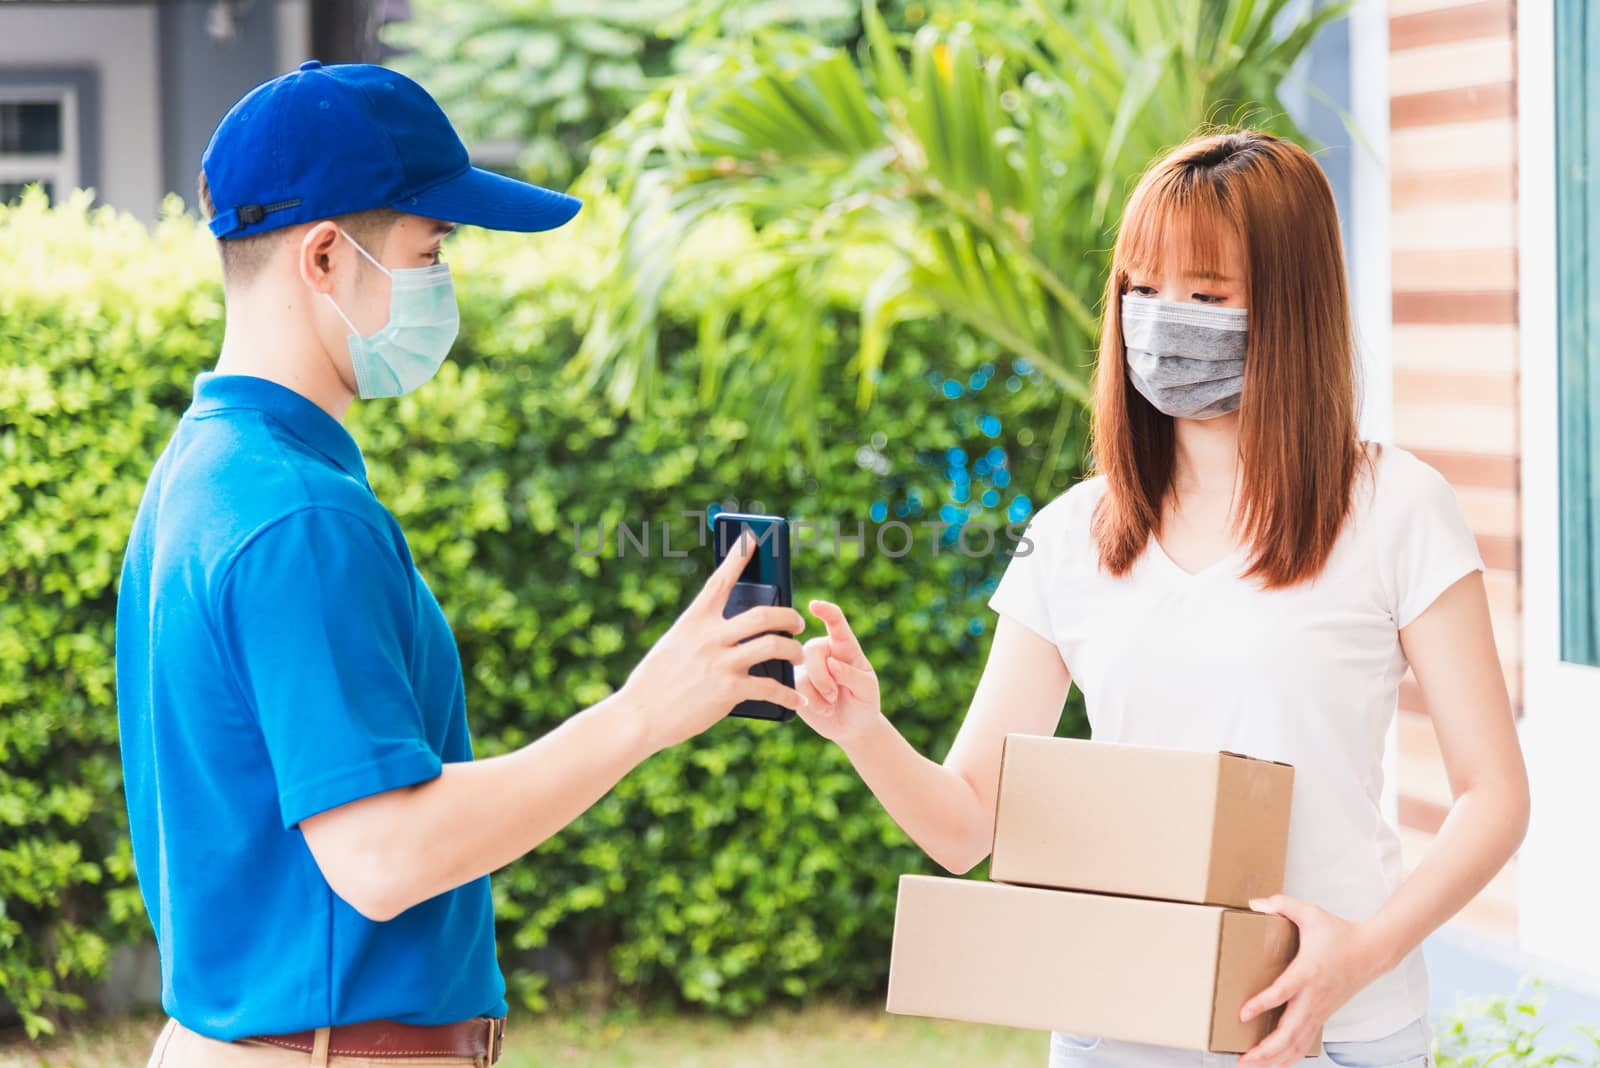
1307	675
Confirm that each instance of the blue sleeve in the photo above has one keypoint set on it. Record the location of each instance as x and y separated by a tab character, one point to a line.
317	617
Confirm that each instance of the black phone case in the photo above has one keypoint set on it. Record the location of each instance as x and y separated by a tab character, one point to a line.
745	596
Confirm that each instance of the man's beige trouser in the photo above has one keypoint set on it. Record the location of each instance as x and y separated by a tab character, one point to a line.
179	1047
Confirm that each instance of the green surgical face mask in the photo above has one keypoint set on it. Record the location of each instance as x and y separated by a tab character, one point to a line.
412	345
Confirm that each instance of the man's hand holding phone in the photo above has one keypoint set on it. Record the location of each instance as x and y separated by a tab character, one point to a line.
766	580
700	668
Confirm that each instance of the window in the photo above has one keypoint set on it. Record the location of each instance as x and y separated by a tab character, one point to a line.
1577	37
38	140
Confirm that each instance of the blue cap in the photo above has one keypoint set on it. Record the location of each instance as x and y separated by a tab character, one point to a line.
323	141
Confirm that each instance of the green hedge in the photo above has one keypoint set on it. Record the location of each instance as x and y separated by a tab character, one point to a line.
747	865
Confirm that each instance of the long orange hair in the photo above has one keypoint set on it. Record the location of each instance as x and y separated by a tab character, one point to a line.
1299	450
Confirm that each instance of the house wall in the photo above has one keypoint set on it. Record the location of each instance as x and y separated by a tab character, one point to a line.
120	43
152	82
1454	355
201	77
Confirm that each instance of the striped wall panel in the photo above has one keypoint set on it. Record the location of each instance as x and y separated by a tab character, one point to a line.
1453	194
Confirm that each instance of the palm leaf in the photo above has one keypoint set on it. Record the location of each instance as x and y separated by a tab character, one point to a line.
983	161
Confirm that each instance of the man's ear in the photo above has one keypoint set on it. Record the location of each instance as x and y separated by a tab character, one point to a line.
315	255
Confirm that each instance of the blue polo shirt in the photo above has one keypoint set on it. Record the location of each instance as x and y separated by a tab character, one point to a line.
278	654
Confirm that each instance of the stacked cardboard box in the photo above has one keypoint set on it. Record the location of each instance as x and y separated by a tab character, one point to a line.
1119	904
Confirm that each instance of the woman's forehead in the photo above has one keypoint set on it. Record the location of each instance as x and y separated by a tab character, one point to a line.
1189	240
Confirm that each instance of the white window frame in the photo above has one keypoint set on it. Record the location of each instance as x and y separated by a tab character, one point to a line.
1371	296
62	170
1558	865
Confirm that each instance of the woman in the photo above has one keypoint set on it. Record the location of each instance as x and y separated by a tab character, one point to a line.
1243	573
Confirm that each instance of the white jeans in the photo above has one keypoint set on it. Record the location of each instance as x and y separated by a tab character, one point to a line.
1409	1047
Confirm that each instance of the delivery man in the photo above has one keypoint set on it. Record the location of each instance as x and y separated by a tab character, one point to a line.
312	836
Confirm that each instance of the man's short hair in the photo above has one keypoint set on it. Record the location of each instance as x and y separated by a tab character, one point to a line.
244	257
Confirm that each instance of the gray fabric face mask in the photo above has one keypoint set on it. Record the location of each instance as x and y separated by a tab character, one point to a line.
1186	359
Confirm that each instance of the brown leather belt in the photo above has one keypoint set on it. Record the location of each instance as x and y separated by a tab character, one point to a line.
478	1037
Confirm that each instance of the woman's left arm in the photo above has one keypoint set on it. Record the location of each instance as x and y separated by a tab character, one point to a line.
1451	650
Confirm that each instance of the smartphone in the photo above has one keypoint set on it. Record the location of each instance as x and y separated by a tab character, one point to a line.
764	581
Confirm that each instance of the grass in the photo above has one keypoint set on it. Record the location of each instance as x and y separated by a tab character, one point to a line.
837	1036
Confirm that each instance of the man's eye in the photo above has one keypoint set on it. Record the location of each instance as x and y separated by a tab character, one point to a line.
436	256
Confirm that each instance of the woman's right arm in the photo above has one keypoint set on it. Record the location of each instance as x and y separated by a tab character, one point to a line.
947	809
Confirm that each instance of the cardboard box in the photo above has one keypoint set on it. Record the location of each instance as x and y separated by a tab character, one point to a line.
1123	967
1210	828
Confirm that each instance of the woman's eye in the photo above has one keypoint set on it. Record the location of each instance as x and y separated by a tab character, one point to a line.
1209	298
1142	291
436	256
